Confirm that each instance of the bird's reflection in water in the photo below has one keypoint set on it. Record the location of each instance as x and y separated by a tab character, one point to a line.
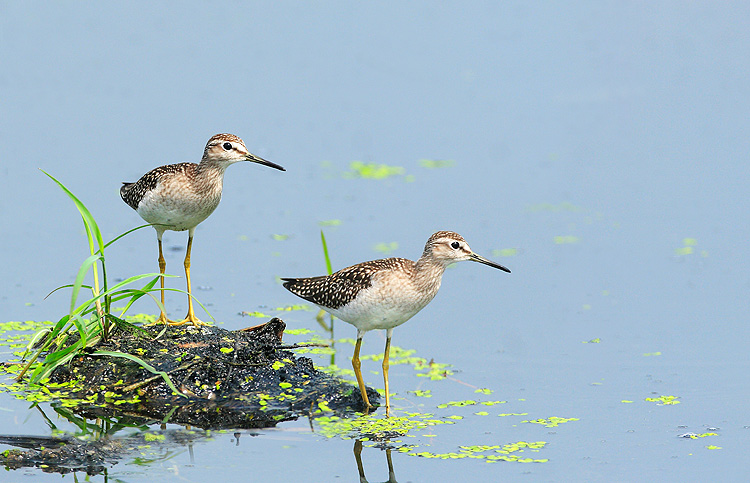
361	469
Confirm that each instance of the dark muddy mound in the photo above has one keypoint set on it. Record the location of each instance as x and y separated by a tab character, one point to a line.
232	379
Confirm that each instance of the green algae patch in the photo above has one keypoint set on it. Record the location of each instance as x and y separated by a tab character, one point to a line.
566	239
664	400
697	435
371	427
330	222
358	169
257	314
386	248
435	371
466	402
551	421
511	452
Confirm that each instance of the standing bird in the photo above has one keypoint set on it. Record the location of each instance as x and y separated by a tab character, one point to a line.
179	196
383	294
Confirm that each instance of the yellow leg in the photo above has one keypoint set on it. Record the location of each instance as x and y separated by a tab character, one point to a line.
190	317
386	365
162	267
357	365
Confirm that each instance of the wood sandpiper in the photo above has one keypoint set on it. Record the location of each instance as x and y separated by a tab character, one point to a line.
180	196
383	294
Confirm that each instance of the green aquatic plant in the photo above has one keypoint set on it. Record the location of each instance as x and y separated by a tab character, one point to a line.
507	452
373	170
664	400
505	252
551	421
92	320
386	248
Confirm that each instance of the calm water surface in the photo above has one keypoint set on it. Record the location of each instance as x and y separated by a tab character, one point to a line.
597	150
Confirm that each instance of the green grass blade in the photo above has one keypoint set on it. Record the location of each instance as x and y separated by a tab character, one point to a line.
143	364
88	219
325	253
124	234
78	284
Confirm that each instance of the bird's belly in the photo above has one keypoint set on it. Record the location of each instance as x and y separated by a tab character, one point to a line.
374	312
177	215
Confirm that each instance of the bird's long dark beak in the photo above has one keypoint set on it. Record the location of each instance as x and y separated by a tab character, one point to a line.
476	258
256	159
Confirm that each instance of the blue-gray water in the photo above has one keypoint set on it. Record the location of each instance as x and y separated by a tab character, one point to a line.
603	141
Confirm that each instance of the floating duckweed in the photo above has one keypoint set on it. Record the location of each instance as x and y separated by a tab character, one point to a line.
467	402
255	314
483	391
227	350
386	248
697	435
280	237
514	414
373	170
420	393
154	437
277	365
482	413
626	401
649	354
290	308
503	453
592	341
370	427
297	331
567	239
687	248
285	385
550	422
329	222
664	400
713	447
492	403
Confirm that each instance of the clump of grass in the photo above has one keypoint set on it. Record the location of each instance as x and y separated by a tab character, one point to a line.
92	319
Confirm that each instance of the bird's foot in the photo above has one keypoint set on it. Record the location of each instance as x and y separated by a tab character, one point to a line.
161	320
189	319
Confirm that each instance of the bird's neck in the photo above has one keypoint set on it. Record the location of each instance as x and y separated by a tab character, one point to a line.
428	273
210	173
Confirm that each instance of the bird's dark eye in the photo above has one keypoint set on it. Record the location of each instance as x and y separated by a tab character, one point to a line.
227	146
456	245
